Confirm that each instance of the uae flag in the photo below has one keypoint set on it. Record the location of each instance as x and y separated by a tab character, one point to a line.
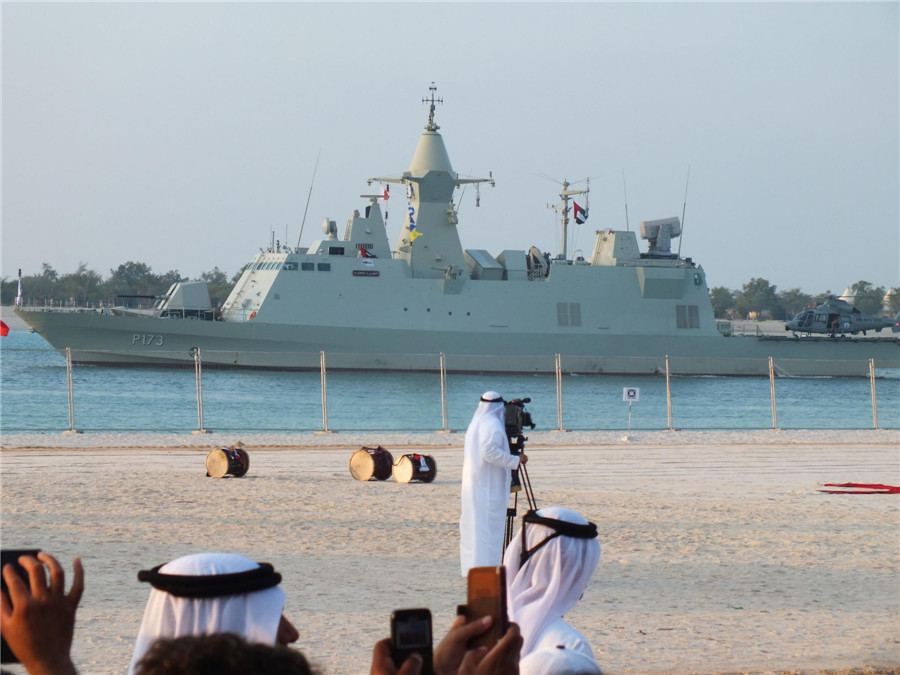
580	214
364	253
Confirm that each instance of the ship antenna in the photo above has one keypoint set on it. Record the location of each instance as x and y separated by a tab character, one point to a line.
431	126
308	197
625	191
683	207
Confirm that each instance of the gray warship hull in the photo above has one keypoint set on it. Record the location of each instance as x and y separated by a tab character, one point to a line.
100	339
356	303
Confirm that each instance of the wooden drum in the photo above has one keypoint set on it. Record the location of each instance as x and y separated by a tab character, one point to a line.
224	461
371	464
415	468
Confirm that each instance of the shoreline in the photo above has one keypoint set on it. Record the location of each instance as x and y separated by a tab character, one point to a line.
536	439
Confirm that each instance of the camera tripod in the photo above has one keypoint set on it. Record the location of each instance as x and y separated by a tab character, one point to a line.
520	481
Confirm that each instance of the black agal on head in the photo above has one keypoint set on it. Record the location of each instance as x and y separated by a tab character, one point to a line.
212	585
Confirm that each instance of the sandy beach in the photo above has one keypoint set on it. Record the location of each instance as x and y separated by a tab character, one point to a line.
720	555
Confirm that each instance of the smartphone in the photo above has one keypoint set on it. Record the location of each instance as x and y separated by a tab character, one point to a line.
411	632
487	597
11	557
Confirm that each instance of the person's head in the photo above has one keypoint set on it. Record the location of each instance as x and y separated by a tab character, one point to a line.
490	403
549	563
220	653
208	593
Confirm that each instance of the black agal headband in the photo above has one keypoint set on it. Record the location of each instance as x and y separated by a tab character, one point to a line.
562	528
491	400
212	585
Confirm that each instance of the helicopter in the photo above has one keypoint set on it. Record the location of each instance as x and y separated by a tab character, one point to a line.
836	316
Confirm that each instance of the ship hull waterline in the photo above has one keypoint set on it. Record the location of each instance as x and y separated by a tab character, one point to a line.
99	339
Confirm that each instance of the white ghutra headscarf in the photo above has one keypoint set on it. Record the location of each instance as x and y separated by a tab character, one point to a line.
208	593
549	563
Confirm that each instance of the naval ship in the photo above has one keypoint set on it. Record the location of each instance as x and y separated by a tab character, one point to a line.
354	303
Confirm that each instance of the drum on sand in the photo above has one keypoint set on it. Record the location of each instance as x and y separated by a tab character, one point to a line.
371	464
224	461
414	467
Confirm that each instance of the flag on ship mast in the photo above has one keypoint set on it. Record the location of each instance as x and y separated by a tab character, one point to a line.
581	214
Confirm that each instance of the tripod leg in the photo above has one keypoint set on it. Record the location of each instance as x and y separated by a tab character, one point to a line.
510	521
526	483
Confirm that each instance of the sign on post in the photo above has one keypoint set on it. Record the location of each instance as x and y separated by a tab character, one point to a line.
631	394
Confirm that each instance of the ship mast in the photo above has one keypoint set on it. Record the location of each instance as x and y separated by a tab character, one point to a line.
563	207
431	126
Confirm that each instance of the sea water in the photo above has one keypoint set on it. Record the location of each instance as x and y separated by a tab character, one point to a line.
34	398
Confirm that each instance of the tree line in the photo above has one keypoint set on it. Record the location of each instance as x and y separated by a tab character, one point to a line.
86	288
760	299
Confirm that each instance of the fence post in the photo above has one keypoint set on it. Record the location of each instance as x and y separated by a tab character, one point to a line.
559	401
198	379
71	394
444	428
874	400
325	429
668	395
772	389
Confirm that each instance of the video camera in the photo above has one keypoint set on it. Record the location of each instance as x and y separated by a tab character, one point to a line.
516	419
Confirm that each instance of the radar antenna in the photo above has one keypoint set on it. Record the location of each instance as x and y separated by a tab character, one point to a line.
684	207
308	197
431	126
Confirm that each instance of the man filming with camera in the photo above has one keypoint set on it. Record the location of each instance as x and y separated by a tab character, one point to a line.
486	477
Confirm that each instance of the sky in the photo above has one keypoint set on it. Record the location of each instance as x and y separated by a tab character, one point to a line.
187	136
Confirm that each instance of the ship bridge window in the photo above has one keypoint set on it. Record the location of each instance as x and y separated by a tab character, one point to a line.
335	250
290	266
307	266
687	316
324	267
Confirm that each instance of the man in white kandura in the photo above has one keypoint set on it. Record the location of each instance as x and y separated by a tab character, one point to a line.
486	477
208	593
549	563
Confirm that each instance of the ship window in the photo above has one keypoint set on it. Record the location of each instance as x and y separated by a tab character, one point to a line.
687	316
290	266
307	266
324	267
335	250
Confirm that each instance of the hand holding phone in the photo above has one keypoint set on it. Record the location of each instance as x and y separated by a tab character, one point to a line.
487	597
411	633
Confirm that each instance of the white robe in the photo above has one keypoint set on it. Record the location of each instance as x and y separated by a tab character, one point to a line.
550	583
254	616
559	650
484	497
